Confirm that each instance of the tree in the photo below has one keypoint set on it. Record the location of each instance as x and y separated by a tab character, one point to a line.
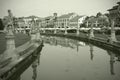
103	20
1	25
99	14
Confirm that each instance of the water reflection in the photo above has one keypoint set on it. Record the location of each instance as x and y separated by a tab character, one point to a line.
34	66
113	59
35	63
59	62
64	42
91	51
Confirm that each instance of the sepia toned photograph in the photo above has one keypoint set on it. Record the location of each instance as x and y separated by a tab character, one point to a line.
59	39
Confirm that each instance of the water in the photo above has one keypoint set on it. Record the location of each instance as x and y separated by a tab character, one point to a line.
66	59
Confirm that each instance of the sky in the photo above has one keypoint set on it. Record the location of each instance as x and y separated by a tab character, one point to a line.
43	8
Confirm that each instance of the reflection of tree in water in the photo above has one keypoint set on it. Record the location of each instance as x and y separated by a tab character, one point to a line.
34	66
113	57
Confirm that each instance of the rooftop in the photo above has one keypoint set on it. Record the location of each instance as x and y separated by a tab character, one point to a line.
76	18
66	15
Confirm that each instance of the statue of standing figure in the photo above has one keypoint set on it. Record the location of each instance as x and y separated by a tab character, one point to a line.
10	41
9	28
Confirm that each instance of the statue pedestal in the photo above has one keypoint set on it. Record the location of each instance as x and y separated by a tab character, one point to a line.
37	36
55	31
10	43
113	37
91	33
78	32
33	36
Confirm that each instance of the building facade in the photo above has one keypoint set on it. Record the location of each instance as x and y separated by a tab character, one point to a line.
64	20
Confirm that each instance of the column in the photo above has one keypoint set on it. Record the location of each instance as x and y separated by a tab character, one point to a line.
37	35
78	28
113	37
55	29
87	24
91	31
10	42
65	29
33	32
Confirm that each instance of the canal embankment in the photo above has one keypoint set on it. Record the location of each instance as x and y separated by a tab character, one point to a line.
97	41
10	64
13	59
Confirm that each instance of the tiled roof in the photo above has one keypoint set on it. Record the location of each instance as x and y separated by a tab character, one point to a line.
66	15
75	18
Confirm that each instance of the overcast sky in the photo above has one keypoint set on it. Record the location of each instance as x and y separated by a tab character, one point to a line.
44	8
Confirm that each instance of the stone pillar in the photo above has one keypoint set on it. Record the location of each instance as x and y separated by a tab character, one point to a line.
65	30
55	22
43	30
33	35
37	35
10	42
24	31
91	31
16	31
78	28
87	24
55	31
113	37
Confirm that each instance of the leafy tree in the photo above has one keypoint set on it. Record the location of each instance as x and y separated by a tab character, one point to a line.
1	25
99	14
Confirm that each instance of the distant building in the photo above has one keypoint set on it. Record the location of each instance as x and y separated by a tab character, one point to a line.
63	20
76	21
24	23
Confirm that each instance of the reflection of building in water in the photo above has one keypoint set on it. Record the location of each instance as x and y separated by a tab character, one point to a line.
63	42
91	51
34	66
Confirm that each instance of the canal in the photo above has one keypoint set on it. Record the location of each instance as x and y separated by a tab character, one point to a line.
67	59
